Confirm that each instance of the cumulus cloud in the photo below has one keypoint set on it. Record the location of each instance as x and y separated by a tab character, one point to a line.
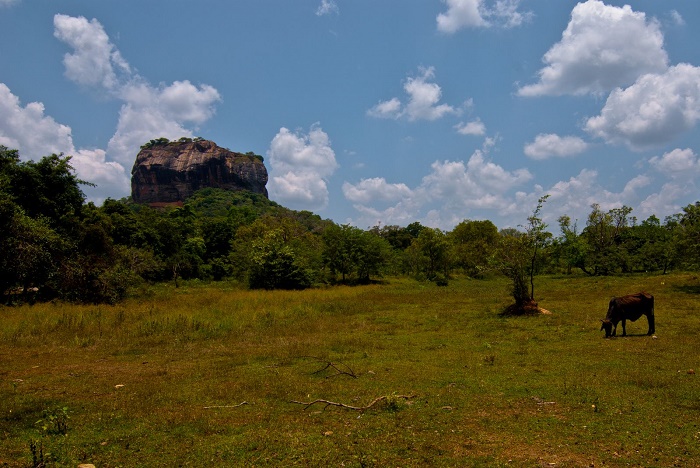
476	14
375	189
677	164
654	110
300	167
147	111
391	109
327	7
95	61
35	135
681	168
552	145
475	127
422	104
449	191
603	47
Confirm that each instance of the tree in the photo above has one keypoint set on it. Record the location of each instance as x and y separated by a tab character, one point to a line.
31	249
689	236
275	243
429	253
473	243
275	265
47	188
352	252
603	234
517	258
570	245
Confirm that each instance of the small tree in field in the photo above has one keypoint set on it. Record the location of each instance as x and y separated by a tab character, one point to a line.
517	259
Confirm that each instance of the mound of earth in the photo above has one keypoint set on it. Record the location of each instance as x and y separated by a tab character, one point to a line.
526	308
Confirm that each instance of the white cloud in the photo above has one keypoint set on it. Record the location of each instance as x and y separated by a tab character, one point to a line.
475	127
375	189
35	135
474	13
95	60
423	100
460	13
681	168
185	102
677	164
8	3
300	167
550	144
602	47
390	109
666	199
677	18
148	111
652	111
327	7
32	132
449	192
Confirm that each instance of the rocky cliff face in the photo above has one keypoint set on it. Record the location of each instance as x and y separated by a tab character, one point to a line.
171	172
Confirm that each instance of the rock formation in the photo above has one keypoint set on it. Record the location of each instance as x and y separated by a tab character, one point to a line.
169	172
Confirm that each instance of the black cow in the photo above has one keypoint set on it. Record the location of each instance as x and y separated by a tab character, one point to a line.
630	308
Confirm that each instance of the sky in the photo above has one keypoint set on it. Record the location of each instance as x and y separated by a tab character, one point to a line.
373	112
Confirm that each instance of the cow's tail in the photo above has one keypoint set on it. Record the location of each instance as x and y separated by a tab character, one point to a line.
650	317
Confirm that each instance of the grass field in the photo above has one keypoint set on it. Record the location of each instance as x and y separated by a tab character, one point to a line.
218	376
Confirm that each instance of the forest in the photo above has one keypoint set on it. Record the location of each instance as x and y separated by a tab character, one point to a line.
56	245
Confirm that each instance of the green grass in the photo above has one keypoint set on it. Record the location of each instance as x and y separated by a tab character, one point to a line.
158	381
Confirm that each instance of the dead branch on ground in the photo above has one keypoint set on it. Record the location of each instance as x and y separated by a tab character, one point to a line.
346	370
328	403
228	406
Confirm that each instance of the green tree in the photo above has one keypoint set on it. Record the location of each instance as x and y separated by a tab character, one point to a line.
688	231
275	265
47	188
473	243
340	244
570	246
603	234
352	252
517	258
31	249
300	245
429	254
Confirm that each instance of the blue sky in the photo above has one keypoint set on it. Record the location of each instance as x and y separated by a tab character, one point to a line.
373	111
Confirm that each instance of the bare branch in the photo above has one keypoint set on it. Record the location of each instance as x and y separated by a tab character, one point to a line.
328	403
228	406
346	370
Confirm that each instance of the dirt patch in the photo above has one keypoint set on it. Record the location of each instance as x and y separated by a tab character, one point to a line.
526	308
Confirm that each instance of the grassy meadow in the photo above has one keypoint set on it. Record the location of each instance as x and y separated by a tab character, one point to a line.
410	374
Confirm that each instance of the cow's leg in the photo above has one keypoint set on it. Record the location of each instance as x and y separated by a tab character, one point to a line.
652	328
624	330
614	330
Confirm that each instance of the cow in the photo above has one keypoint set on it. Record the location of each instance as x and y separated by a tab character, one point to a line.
630	308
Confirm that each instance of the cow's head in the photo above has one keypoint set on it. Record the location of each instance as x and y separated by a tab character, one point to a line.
607	326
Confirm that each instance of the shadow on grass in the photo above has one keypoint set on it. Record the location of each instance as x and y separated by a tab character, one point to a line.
631	335
688	288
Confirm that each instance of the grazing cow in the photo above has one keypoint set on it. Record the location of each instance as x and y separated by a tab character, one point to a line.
628	308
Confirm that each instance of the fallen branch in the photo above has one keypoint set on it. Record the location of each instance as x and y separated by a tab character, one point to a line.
228	406
348	370
328	403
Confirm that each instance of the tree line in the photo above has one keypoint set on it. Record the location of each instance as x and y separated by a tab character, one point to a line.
56	245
